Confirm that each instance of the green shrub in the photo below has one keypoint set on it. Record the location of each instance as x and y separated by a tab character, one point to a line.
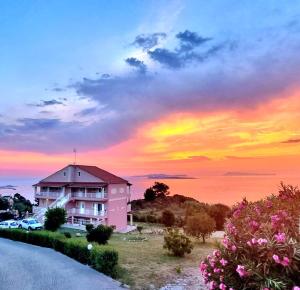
100	234
151	218
139	228
89	227
68	235
177	243
77	251
168	218
55	217
103	259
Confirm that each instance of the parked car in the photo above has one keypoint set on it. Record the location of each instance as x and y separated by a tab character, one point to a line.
30	224
10	224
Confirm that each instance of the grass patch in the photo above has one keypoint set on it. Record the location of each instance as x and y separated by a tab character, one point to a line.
146	262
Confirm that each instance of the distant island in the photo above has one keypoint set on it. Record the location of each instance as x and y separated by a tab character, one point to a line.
11	187
165	176
233	173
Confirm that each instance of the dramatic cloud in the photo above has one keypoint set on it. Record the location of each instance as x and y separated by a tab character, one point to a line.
190	40
134	62
148	41
187	51
212	77
47	103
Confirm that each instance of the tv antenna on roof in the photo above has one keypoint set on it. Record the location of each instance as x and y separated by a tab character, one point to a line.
75	155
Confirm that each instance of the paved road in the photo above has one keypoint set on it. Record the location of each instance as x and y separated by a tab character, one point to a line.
27	267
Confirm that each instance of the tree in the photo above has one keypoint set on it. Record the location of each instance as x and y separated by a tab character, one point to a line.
21	204
4	204
161	189
200	225
168	218
100	234
177	243
219	212
55	217
150	194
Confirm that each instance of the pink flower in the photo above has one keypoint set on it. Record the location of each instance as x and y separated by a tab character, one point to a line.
217	270
236	213
296	288
212	285
276	259
249	244
223	262
253	241
254	225
285	261
262	241
222	286
217	253
280	237
203	266
233	248
241	271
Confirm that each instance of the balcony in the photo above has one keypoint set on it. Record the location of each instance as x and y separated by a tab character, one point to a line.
89	195
86	212
48	194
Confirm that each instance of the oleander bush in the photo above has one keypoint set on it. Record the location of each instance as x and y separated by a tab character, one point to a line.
102	258
261	247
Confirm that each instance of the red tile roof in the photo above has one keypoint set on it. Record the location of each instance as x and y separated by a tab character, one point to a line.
102	174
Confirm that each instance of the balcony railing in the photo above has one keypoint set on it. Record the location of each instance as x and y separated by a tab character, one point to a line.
89	195
49	194
89	212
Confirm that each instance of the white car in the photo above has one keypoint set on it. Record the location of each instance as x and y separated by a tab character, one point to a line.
11	224
30	224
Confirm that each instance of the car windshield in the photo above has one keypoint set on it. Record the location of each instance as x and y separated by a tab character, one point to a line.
13	223
33	222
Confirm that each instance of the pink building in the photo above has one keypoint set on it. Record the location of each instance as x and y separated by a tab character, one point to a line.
89	195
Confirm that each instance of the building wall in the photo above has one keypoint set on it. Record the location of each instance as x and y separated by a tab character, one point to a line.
118	197
70	174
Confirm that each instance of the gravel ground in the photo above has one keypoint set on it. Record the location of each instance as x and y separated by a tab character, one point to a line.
190	280
28	267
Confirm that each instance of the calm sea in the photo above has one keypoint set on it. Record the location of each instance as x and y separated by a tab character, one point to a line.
210	189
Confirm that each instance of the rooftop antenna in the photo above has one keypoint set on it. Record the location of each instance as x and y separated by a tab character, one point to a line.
75	155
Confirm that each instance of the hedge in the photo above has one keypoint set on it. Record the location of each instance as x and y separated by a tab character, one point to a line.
102	258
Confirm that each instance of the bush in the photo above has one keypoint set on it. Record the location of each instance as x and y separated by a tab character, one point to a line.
139	228
103	259
168	218
200	225
219	212
261	248
150	218
4	216
177	243
55	217
100	234
67	235
149	194
89	227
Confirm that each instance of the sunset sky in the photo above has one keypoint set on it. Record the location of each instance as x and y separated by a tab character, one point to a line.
199	88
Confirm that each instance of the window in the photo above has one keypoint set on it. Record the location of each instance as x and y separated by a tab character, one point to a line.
121	190
78	173
65	173
113	190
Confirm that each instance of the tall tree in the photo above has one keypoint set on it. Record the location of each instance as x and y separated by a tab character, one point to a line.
161	189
